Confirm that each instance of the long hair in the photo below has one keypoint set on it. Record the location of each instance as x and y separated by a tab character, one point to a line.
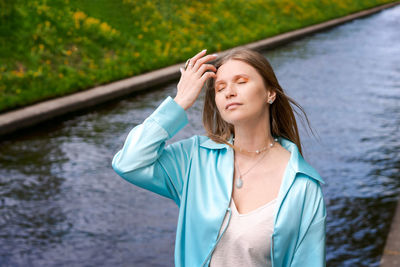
281	115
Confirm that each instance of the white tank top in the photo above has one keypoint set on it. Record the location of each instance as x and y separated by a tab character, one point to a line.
247	240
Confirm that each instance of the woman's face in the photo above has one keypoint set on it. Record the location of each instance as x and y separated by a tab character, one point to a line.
240	93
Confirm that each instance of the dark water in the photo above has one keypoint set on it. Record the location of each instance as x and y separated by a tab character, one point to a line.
61	204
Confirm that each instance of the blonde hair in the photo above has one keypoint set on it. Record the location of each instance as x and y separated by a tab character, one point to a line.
281	115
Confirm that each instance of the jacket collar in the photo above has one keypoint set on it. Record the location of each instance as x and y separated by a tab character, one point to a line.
208	143
297	162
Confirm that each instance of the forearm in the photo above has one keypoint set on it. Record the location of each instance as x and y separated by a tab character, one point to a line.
137	161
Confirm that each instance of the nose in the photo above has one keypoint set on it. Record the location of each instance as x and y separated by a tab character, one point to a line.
230	91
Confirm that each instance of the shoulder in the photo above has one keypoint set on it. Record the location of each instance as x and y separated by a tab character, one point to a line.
307	185
193	140
188	144
306	193
309	193
199	141
306	199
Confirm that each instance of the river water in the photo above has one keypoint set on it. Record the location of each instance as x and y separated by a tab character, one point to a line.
61	204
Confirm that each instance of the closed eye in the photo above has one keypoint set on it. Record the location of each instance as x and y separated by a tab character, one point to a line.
242	81
220	88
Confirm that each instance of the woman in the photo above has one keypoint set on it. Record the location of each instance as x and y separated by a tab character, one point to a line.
245	194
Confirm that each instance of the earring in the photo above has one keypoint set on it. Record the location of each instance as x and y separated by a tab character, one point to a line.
270	101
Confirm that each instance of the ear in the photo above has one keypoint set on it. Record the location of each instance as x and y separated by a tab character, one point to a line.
271	95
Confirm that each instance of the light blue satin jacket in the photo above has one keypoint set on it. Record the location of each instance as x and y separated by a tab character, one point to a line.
197	173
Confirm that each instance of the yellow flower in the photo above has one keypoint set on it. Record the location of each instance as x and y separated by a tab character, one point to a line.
104	27
47	23
48	62
18	73
61	75
91	21
41	47
79	15
166	49
140	36
136	54
69	52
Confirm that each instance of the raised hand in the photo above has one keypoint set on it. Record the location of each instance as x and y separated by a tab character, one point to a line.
193	78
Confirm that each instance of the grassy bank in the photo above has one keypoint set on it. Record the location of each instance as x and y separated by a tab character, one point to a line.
57	47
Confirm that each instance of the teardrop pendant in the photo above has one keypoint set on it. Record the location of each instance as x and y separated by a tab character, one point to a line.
239	182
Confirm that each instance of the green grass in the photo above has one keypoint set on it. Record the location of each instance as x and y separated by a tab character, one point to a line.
57	47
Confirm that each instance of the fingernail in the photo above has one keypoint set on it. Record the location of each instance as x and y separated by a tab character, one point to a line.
215	55
204	50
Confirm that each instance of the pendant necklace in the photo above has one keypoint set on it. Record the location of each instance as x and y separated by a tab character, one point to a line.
239	181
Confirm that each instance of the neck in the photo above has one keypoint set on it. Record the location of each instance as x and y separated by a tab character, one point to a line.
252	137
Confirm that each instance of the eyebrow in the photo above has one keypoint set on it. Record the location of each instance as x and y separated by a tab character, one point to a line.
234	77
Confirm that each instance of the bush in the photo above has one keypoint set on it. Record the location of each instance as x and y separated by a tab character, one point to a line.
53	48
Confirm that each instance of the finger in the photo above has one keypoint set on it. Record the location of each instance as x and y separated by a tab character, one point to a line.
203	60
206	67
196	57
186	64
206	76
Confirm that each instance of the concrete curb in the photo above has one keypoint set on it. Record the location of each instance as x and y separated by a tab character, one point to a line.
37	113
391	253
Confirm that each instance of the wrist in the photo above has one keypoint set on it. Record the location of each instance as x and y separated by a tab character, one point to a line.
170	116
181	103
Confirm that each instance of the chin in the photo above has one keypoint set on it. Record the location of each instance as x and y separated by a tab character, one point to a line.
237	118
234	118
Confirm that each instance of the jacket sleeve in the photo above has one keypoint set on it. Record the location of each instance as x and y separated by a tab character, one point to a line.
146	162
310	250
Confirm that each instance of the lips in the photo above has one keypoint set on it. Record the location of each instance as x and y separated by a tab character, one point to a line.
232	105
